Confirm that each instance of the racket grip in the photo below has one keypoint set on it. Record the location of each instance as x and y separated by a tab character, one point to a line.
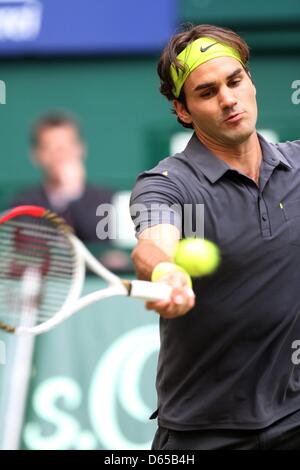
150	291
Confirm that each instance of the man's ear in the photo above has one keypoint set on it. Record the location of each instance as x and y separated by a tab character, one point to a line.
181	112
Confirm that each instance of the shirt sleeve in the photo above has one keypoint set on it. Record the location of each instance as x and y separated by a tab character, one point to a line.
157	198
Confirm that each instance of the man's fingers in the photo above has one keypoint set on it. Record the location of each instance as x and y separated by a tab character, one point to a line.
181	301
160	304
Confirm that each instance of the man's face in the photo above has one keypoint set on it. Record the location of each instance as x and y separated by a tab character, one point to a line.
58	147
221	102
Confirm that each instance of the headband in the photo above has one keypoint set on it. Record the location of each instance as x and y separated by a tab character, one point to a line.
197	53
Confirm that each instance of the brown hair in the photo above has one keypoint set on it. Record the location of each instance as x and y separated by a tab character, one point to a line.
179	42
53	120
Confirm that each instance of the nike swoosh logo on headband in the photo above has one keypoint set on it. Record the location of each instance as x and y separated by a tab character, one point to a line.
204	49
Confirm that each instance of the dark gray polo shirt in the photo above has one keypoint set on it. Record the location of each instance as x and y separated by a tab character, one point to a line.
228	362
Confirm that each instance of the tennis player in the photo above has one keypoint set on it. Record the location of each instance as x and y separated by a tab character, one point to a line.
226	375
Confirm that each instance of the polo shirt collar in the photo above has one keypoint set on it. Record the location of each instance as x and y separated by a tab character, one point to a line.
271	154
202	159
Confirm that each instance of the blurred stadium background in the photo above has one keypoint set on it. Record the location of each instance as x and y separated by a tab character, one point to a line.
92	381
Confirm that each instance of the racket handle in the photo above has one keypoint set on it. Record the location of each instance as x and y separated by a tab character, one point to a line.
150	290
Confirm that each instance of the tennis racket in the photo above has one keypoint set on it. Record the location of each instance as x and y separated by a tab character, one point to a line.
42	273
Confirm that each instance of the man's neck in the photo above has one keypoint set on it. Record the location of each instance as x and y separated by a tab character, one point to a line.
245	157
61	195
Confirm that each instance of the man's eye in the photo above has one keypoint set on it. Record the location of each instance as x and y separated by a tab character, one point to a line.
235	82
206	94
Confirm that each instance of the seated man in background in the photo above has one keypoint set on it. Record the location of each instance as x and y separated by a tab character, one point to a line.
59	150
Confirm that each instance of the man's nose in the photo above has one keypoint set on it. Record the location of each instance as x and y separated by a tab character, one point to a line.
227	98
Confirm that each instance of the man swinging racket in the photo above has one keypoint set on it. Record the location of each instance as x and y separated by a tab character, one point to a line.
226	378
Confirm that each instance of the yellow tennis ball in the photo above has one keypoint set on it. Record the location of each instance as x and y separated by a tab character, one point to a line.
165	268
197	256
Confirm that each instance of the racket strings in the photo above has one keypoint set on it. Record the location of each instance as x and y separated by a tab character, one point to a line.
36	270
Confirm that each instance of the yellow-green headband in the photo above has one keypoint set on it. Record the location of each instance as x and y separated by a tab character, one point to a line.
195	54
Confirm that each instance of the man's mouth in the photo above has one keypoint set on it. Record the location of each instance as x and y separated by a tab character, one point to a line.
234	117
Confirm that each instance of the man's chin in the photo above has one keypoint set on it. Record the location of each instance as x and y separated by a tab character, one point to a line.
238	136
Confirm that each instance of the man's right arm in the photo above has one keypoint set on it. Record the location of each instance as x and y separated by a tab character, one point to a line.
155	245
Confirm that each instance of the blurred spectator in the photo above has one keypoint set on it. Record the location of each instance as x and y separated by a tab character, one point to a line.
58	149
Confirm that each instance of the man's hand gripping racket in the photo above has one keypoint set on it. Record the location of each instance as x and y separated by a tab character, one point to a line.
42	270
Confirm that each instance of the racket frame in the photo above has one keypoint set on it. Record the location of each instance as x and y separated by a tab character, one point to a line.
144	290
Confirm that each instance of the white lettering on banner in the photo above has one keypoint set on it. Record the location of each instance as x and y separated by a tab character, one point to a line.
45	401
116	379
20	20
